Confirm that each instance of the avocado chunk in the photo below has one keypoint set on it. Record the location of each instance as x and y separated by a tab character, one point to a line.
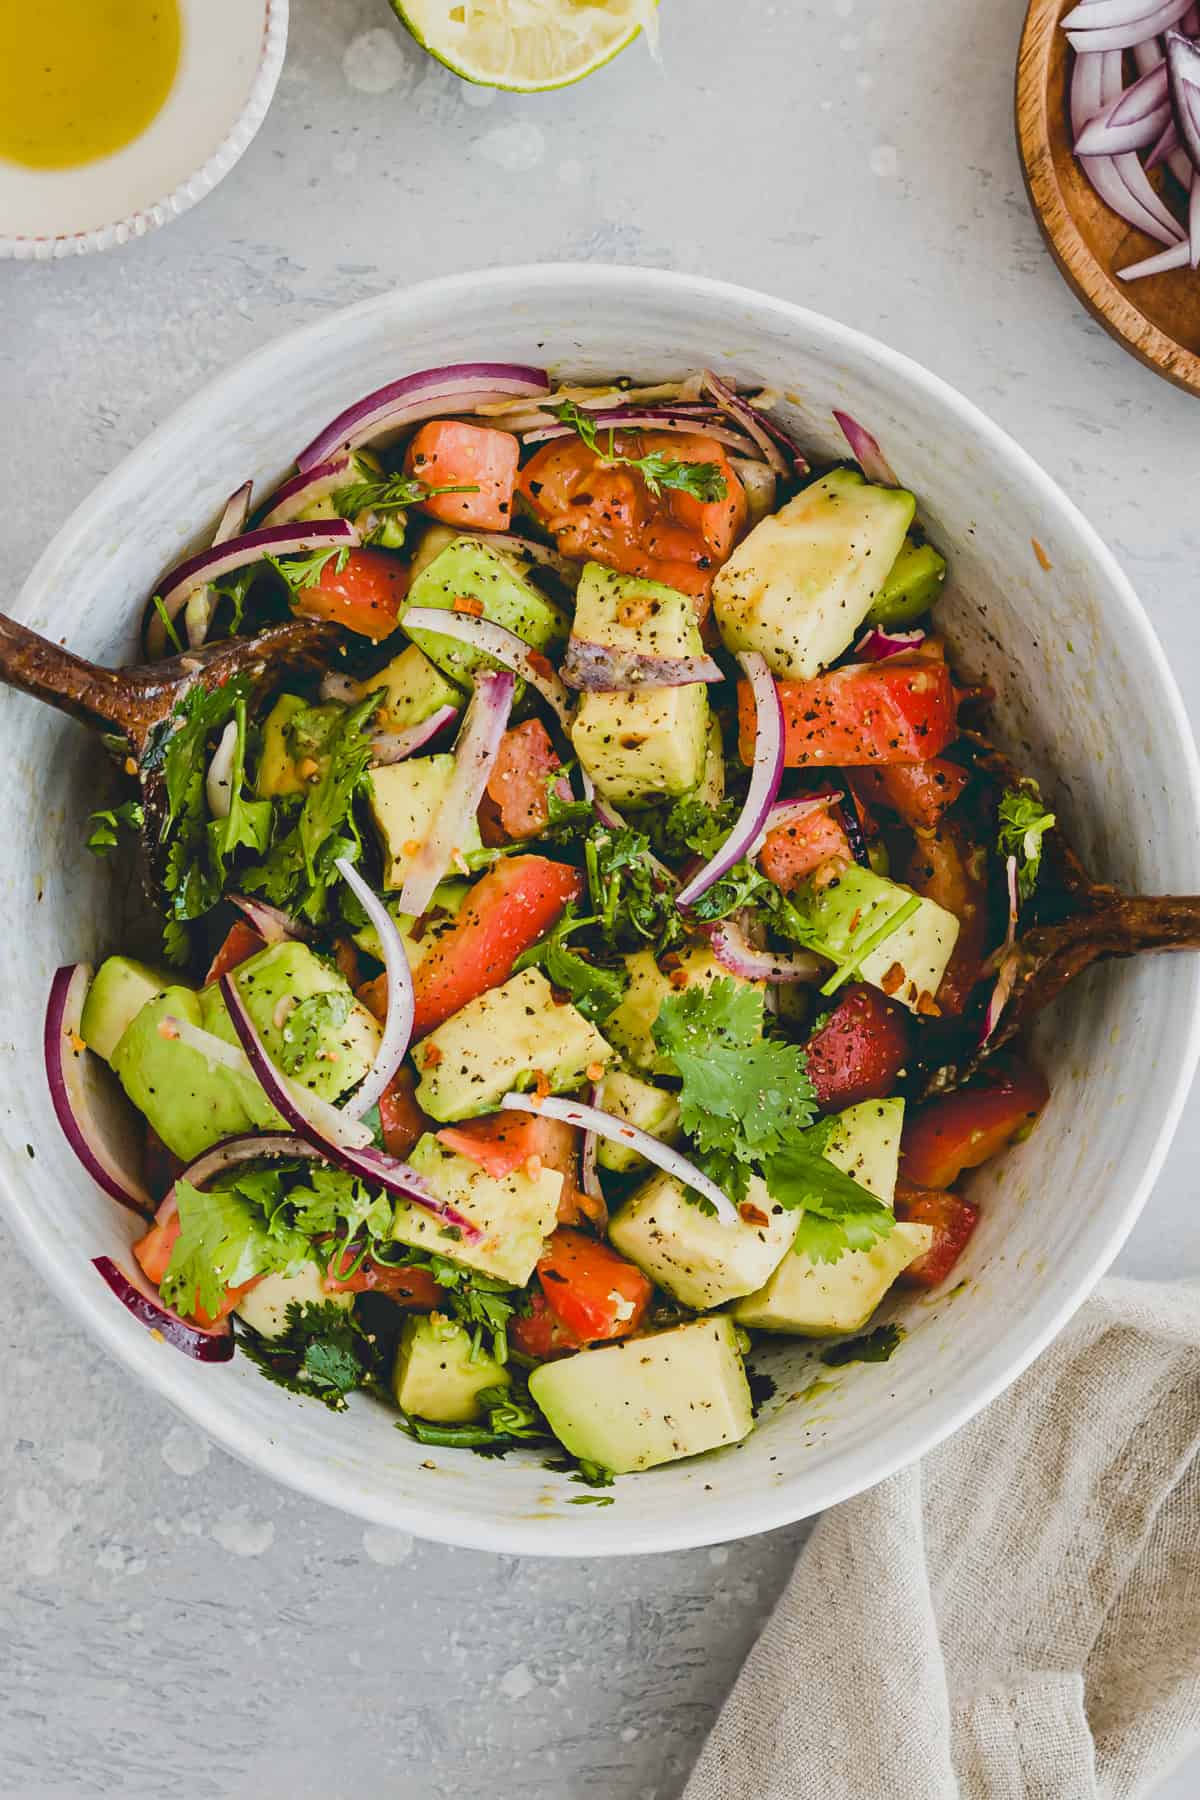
798	587
631	1026
276	768
650	1108
649	1400
414	689
439	918
311	1025
405	798
908	961
190	1102
864	1143
515	1213
810	1299
436	1374
264	1308
916	579
468	570
501	1043
639	746
690	1253
120	988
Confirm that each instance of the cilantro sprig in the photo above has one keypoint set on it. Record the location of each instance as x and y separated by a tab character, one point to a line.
1023	824
109	823
594	990
391	493
321	1352
702	480
305	570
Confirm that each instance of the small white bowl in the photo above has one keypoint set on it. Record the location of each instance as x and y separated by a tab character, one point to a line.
1084	696
230	58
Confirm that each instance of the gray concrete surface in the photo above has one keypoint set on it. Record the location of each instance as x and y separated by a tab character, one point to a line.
169	1620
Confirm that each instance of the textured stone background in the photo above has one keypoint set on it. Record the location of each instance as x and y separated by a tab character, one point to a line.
168	1619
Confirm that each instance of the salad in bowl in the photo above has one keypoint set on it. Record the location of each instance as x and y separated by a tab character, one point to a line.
595	930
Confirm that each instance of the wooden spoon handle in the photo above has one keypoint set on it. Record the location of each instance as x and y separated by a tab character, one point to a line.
49	672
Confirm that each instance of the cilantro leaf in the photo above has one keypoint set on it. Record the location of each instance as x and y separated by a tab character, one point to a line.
198	717
703	480
248	822
305	571
224	1240
873	1347
633	904
108	824
391	493
331	1201
321	1352
1024	822
595	991
743	1096
510	1417
837	1212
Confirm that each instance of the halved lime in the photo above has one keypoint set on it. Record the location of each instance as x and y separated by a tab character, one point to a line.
526	46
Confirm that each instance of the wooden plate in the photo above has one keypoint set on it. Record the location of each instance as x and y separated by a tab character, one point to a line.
1159	318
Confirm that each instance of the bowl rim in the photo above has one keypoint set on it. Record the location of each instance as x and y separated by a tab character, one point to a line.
27	247
800	1497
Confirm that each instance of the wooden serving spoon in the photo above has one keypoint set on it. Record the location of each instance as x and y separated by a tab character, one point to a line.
133	707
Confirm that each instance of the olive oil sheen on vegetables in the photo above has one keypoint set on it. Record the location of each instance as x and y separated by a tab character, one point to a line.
80	79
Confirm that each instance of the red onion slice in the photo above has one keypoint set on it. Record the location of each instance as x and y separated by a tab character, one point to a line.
1120	24
396	746
866	452
271	924
305	489
75	1093
598	669
369	1164
251	1147
1166	147
475	754
502	645
218	789
748	419
734	951
765	777
620	418
456	388
589	1174
568	572
880	642
1183	62
1161	263
204	1343
401	1003
1133	121
1120	181
232	522
197	614
239	553
620	1131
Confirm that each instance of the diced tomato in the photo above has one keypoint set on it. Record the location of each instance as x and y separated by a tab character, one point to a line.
242	943
891	712
918	792
595	1292
365	595
792	852
860	1050
541	1334
961	1130
153	1253
517	782
505	1142
401	1120
413	1288
953	1220
943	867
445	454
605	512
514	905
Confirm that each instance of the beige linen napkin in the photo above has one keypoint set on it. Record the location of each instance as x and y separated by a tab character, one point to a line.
1016	1618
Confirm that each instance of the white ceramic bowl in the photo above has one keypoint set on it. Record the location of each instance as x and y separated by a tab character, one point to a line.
1084	694
230	59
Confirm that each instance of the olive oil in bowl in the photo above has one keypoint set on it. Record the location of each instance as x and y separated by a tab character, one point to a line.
81	79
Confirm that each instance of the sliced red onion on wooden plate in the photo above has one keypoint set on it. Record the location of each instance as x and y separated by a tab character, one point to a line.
1183	63
765	776
881	641
598	669
396	746
77	1097
238	553
204	1343
1133	121
734	951
271	924
1119	180
305	489
401	1003
620	1131
343	1144
1120	24
866	452
745	415
475	753
502	645
454	389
